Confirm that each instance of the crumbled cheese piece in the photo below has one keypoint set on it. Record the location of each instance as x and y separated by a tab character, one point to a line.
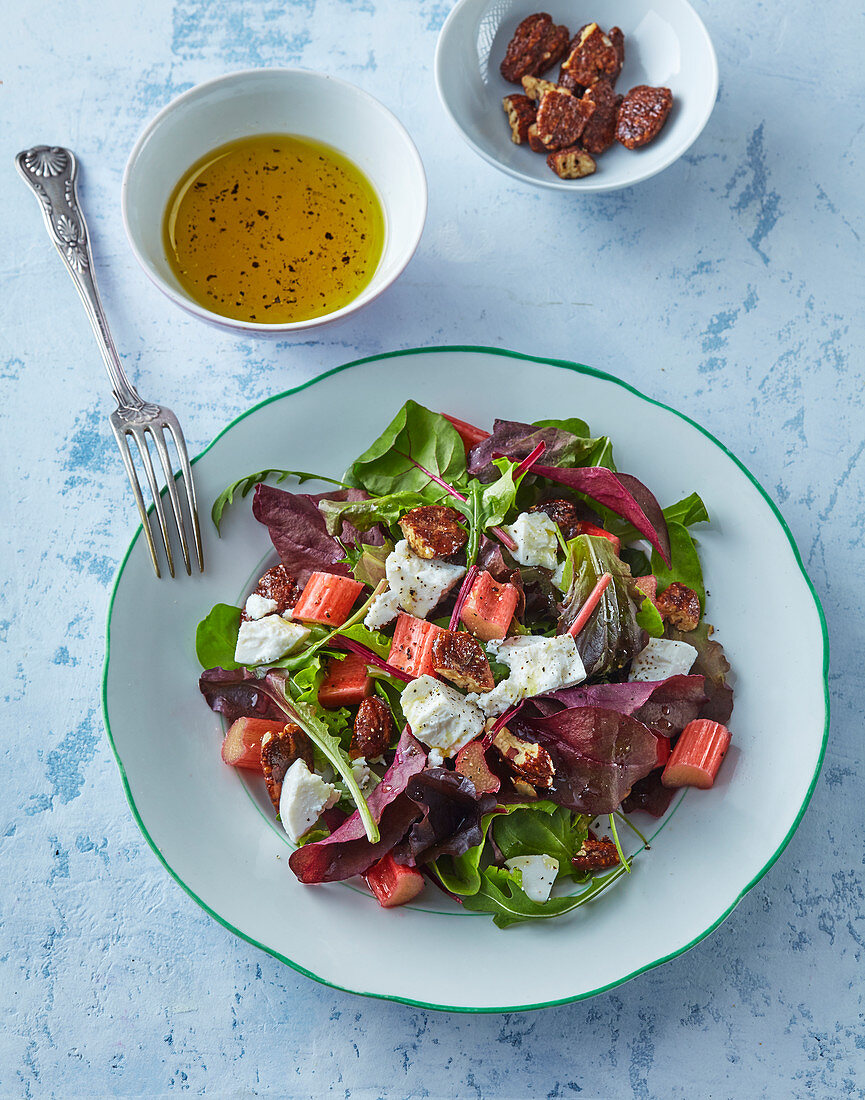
304	798
536	539
662	658
419	584
365	779
537	875
439	715
263	640
537	665
435	758
383	610
259	606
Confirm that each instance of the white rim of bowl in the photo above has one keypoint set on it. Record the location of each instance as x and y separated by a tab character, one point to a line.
589	184
188	304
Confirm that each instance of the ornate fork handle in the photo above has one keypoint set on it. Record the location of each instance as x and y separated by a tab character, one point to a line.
52	173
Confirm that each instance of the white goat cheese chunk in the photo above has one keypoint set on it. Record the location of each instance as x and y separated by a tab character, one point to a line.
537	875
536	539
365	779
537	665
304	798
440	716
662	658
264	640
419	584
383	610
558	577
259	606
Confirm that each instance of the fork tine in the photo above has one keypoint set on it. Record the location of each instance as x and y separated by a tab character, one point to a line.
176	431
139	499
139	437
156	432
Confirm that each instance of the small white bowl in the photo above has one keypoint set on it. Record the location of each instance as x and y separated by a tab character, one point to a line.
666	44
268	101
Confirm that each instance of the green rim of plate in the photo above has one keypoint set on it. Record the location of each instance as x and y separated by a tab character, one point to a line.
579	368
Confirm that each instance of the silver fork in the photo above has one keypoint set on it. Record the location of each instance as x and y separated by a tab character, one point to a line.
52	173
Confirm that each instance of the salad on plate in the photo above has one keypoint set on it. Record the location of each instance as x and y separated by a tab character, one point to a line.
478	655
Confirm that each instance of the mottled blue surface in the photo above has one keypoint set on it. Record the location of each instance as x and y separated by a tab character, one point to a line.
730	286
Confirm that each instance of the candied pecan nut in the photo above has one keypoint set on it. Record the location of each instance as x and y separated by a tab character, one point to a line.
642	115
534	87
278	584
596	855
592	55
616	36
571	164
600	131
563	512
567	82
460	658
279	750
536	45
535	143
521	114
531	762
434	531
373	729
561	119
680	606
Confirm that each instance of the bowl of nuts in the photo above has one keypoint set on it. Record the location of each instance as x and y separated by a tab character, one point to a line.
561	99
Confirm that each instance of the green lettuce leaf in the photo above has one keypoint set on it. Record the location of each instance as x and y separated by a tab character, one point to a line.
364	514
216	637
526	832
415	435
246	484
367	562
488	504
684	563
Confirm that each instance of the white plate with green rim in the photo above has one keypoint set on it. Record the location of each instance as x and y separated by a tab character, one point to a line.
210	828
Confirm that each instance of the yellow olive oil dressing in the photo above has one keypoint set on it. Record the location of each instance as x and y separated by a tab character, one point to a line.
274	228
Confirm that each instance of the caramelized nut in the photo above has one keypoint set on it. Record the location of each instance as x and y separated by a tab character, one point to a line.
596	855
536	45
563	512
560	119
521	114
680	605
600	131
530	761
571	164
434	531
373	729
592	55
460	658
535	87
279	750
279	585
642	115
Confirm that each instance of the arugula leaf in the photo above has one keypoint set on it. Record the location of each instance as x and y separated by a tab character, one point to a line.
499	893
488	504
364	514
414	435
685	563
327	744
559	834
246	484
216	637
687	511
649	618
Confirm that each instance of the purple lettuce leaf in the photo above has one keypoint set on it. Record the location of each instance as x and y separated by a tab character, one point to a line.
297	530
451	817
649	795
599	754
711	663
237	693
621	493
517	441
347	851
665	706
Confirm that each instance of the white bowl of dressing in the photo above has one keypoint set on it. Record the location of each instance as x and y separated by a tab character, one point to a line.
274	101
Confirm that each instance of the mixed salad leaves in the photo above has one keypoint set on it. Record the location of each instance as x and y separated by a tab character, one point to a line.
476	647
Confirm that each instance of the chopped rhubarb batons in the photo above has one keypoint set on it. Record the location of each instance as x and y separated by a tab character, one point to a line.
241	747
697	755
346	682
489	608
327	599
392	883
411	649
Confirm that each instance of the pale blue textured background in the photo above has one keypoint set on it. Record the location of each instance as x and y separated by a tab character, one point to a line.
731	286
